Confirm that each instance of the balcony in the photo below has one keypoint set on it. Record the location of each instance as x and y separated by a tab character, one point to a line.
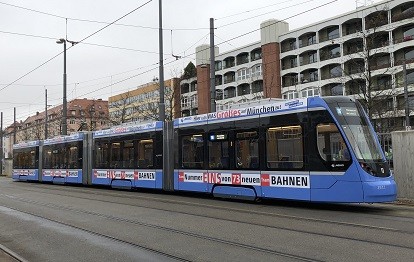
352	26
229	62
185	88
328	33
331	71
288	45
355	87
378	40
256	54
376	19
379	61
334	89
243	89
354	66
330	52
353	46
257	86
289	62
229	77
242	58
403	11
307	39
308	58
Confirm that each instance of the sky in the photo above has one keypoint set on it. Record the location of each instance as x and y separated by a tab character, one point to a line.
111	59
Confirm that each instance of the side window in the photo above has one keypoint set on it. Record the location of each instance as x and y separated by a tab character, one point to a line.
47	158
192	151
218	148
331	146
145	153
115	155
247	150
73	155
284	147
101	154
128	154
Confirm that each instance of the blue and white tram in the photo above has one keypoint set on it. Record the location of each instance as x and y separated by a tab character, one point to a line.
63	159
314	149
128	156
26	161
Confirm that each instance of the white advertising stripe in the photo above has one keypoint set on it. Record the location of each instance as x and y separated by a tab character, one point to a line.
125	174
147	176
295	181
291	181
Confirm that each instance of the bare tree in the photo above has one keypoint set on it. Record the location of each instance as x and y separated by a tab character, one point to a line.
38	132
150	110
119	113
364	56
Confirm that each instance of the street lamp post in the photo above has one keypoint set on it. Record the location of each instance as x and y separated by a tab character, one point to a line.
64	130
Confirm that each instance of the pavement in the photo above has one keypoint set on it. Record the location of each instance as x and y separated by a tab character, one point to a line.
6	255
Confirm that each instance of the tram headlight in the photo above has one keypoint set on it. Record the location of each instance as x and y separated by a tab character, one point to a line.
367	168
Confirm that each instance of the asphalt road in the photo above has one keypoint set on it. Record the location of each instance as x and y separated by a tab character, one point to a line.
43	222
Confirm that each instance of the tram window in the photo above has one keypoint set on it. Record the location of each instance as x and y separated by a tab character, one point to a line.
47	160
102	154
192	151
57	156
247	150
25	158
145	153
128	154
218	148
72	156
331	146
116	155
284	147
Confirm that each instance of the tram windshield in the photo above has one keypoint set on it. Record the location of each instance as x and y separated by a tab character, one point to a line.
357	130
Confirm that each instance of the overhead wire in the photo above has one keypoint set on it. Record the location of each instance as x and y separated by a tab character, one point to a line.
226	41
251	10
94	33
300	13
252	17
102	22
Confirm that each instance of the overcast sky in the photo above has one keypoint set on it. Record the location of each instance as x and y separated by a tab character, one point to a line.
99	66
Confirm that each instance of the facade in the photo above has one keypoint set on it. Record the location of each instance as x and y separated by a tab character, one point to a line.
83	115
359	54
142	103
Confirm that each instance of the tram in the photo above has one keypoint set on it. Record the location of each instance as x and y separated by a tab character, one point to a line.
319	149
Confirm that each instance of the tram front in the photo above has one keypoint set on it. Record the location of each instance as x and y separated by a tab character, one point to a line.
363	147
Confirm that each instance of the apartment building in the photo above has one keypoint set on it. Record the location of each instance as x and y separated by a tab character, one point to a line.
83	115
142	103
360	54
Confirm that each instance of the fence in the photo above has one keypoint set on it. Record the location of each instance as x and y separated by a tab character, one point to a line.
386	145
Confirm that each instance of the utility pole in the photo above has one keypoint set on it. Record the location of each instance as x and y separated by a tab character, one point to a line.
212	69
64	128
407	104
161	66
14	127
46	114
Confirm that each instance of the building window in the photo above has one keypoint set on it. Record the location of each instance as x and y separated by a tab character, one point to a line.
291	95
73	112
311	39
313	58
333	33
243	74
257	70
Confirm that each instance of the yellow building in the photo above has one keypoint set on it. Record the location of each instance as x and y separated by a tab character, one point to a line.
142	103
